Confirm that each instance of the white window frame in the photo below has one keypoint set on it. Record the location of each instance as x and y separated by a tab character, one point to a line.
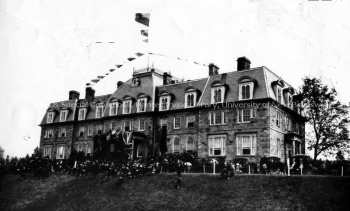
125	102
48	132
251	90
187	143
175	118
82	116
47	151
58	152
194	99
62	130
50	116
278	119
90	130
279	95
139	107
142	123
98	127
222	88
99	107
63	115
213	119
113	108
240	115
211	143
161	108
177	148
239	144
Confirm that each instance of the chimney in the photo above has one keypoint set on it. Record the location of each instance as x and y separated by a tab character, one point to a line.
89	93
213	69
243	63
119	84
73	95
166	78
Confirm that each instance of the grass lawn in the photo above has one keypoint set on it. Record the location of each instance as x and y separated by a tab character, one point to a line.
199	192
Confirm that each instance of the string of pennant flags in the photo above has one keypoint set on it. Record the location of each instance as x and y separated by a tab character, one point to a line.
144	19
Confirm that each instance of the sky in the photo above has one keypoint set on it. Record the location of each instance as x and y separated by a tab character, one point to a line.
48	48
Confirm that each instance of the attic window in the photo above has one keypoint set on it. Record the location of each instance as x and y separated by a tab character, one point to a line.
142	103
82	114
246	88
50	116
99	110
63	115
164	101
217	92
113	107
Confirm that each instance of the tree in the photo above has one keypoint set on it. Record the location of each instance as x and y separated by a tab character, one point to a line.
326	116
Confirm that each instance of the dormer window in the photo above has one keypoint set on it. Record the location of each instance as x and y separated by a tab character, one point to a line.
82	114
190	97
63	115
246	88
99	110
164	103
113	108
127	106
141	103
50	116
217	92
279	95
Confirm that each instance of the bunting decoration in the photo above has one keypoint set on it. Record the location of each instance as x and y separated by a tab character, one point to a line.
144	33
131	58
143	18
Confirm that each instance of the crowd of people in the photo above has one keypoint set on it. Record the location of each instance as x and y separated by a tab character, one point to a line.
44	167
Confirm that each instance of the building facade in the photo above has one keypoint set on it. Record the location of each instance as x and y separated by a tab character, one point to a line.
249	113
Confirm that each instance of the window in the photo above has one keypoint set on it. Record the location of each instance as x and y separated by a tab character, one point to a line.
217	95
217	145
164	122
88	149
278	147
113	125
246	88
141	125
48	133
279	95
190	99
62	132
99	111
81	131
190	121
63	116
246	144
288	123
176	145
141	105
217	118
278	119
164	103
127	126
47	151
290	102
127	107
50	116
245	92
82	114
60	152
297	130
99	129
113	108
139	151
90	130
177	122
245	115
190	145
80	148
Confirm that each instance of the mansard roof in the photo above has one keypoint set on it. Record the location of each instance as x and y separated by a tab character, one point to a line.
57	107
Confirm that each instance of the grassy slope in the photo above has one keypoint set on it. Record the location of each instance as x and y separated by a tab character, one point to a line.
199	192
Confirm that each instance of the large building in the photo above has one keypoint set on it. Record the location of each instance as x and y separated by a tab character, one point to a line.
249	113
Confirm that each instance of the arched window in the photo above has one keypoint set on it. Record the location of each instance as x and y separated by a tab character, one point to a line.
190	100
190	144
176	145
164	103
